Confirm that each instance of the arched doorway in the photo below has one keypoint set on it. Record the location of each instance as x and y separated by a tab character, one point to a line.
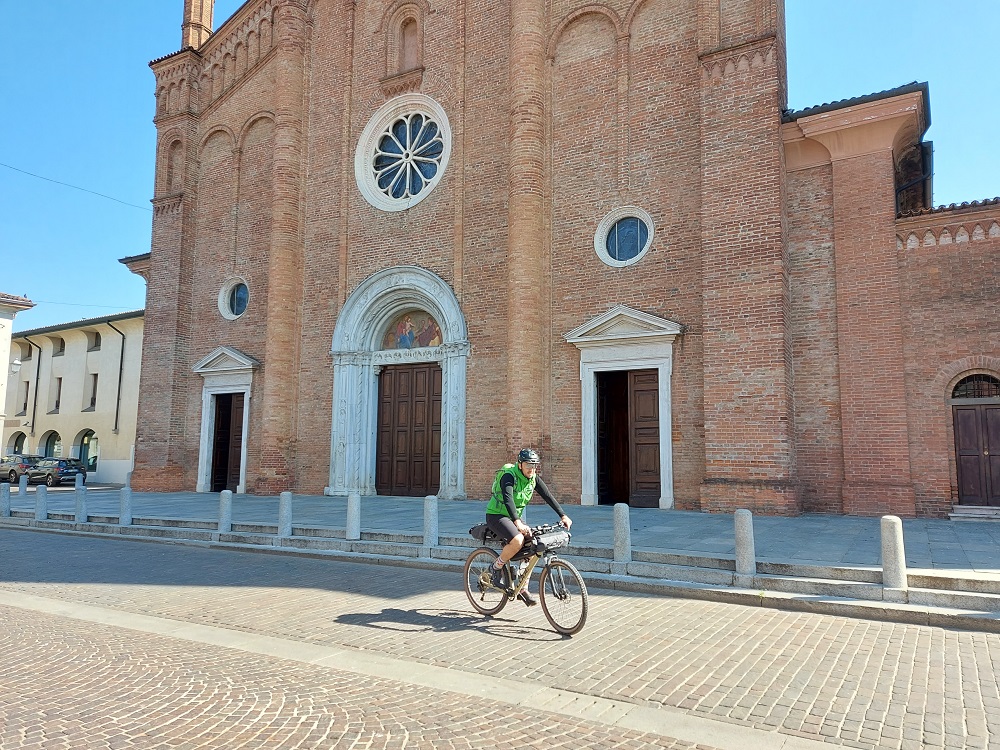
90	451
16	444
976	416
360	356
52	445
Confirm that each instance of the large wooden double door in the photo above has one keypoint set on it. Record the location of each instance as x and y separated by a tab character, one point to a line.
408	444
977	452
628	438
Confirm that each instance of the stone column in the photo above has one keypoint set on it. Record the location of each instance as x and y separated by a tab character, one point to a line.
894	582
453	369
526	307
280	396
285	514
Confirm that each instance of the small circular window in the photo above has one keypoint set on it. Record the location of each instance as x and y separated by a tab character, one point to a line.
624	236
233	299
402	152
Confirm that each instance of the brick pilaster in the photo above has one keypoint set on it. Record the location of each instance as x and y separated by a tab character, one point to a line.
877	478
527	305
281	360
749	448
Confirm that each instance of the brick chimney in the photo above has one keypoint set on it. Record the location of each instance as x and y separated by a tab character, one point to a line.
197	26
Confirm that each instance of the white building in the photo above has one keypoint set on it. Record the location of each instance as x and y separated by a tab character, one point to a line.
10	305
74	391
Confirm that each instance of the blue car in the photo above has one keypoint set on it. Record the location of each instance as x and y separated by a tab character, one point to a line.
54	471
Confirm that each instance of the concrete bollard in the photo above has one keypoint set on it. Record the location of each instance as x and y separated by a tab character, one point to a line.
746	555
430	525
82	512
353	516
225	511
22	485
42	503
285	514
623	539
78	481
4	500
125	507
893	560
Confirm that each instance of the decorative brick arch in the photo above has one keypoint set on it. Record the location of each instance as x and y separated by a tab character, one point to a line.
357	360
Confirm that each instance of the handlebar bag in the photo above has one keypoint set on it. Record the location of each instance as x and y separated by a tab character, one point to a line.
551	540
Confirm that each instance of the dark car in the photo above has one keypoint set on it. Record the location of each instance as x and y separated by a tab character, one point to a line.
53	471
12	467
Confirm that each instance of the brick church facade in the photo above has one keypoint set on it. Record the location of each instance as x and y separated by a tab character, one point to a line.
396	240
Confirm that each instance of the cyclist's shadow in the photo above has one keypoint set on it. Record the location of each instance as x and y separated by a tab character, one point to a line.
445	621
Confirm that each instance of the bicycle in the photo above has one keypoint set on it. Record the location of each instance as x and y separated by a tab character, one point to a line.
561	589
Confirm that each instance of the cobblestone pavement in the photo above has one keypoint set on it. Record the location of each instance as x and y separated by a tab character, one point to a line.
849	682
65	685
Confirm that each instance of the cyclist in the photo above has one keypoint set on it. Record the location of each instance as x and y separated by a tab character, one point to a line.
512	489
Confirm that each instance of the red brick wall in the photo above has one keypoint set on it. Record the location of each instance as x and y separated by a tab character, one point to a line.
813	324
951	329
749	451
673	107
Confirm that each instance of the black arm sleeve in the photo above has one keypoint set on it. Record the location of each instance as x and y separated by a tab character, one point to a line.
543	491
507	494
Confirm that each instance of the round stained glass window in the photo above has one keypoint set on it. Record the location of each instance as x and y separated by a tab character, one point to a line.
624	236
403	152
234	297
408	156
627	238
238	298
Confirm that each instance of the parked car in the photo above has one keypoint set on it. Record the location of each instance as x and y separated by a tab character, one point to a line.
12	467
53	471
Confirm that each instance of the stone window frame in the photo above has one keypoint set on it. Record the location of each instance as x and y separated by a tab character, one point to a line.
612	218
380	121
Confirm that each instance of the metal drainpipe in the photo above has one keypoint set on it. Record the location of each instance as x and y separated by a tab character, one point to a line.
121	372
38	372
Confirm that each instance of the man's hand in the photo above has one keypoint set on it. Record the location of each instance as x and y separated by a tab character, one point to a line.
565	521
522	527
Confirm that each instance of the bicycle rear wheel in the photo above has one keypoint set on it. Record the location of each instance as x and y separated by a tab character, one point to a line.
564	597
482	595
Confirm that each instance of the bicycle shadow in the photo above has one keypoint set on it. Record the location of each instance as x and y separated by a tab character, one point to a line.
445	621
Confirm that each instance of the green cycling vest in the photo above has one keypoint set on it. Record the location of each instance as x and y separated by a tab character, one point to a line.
524	488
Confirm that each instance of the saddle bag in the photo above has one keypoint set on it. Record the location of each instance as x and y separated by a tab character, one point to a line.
482	533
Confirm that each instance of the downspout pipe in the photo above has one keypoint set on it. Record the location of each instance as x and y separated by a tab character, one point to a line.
38	372
121	374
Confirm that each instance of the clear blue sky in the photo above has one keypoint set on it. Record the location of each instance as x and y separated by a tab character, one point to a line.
78	105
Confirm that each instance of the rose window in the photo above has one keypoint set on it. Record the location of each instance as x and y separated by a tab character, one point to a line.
403	152
408	156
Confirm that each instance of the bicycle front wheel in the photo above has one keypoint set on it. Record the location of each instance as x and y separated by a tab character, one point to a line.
482	595
564	597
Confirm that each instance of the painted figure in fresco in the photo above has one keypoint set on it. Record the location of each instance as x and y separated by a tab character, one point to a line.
430	334
404	333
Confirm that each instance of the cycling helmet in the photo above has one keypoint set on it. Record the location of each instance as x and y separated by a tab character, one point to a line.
528	456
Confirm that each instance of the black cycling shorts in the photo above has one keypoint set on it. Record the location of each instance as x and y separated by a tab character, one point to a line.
502	526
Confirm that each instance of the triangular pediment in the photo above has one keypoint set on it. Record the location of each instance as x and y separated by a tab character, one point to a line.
225	359
623	323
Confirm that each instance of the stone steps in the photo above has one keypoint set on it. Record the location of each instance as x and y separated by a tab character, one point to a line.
967	591
974	513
